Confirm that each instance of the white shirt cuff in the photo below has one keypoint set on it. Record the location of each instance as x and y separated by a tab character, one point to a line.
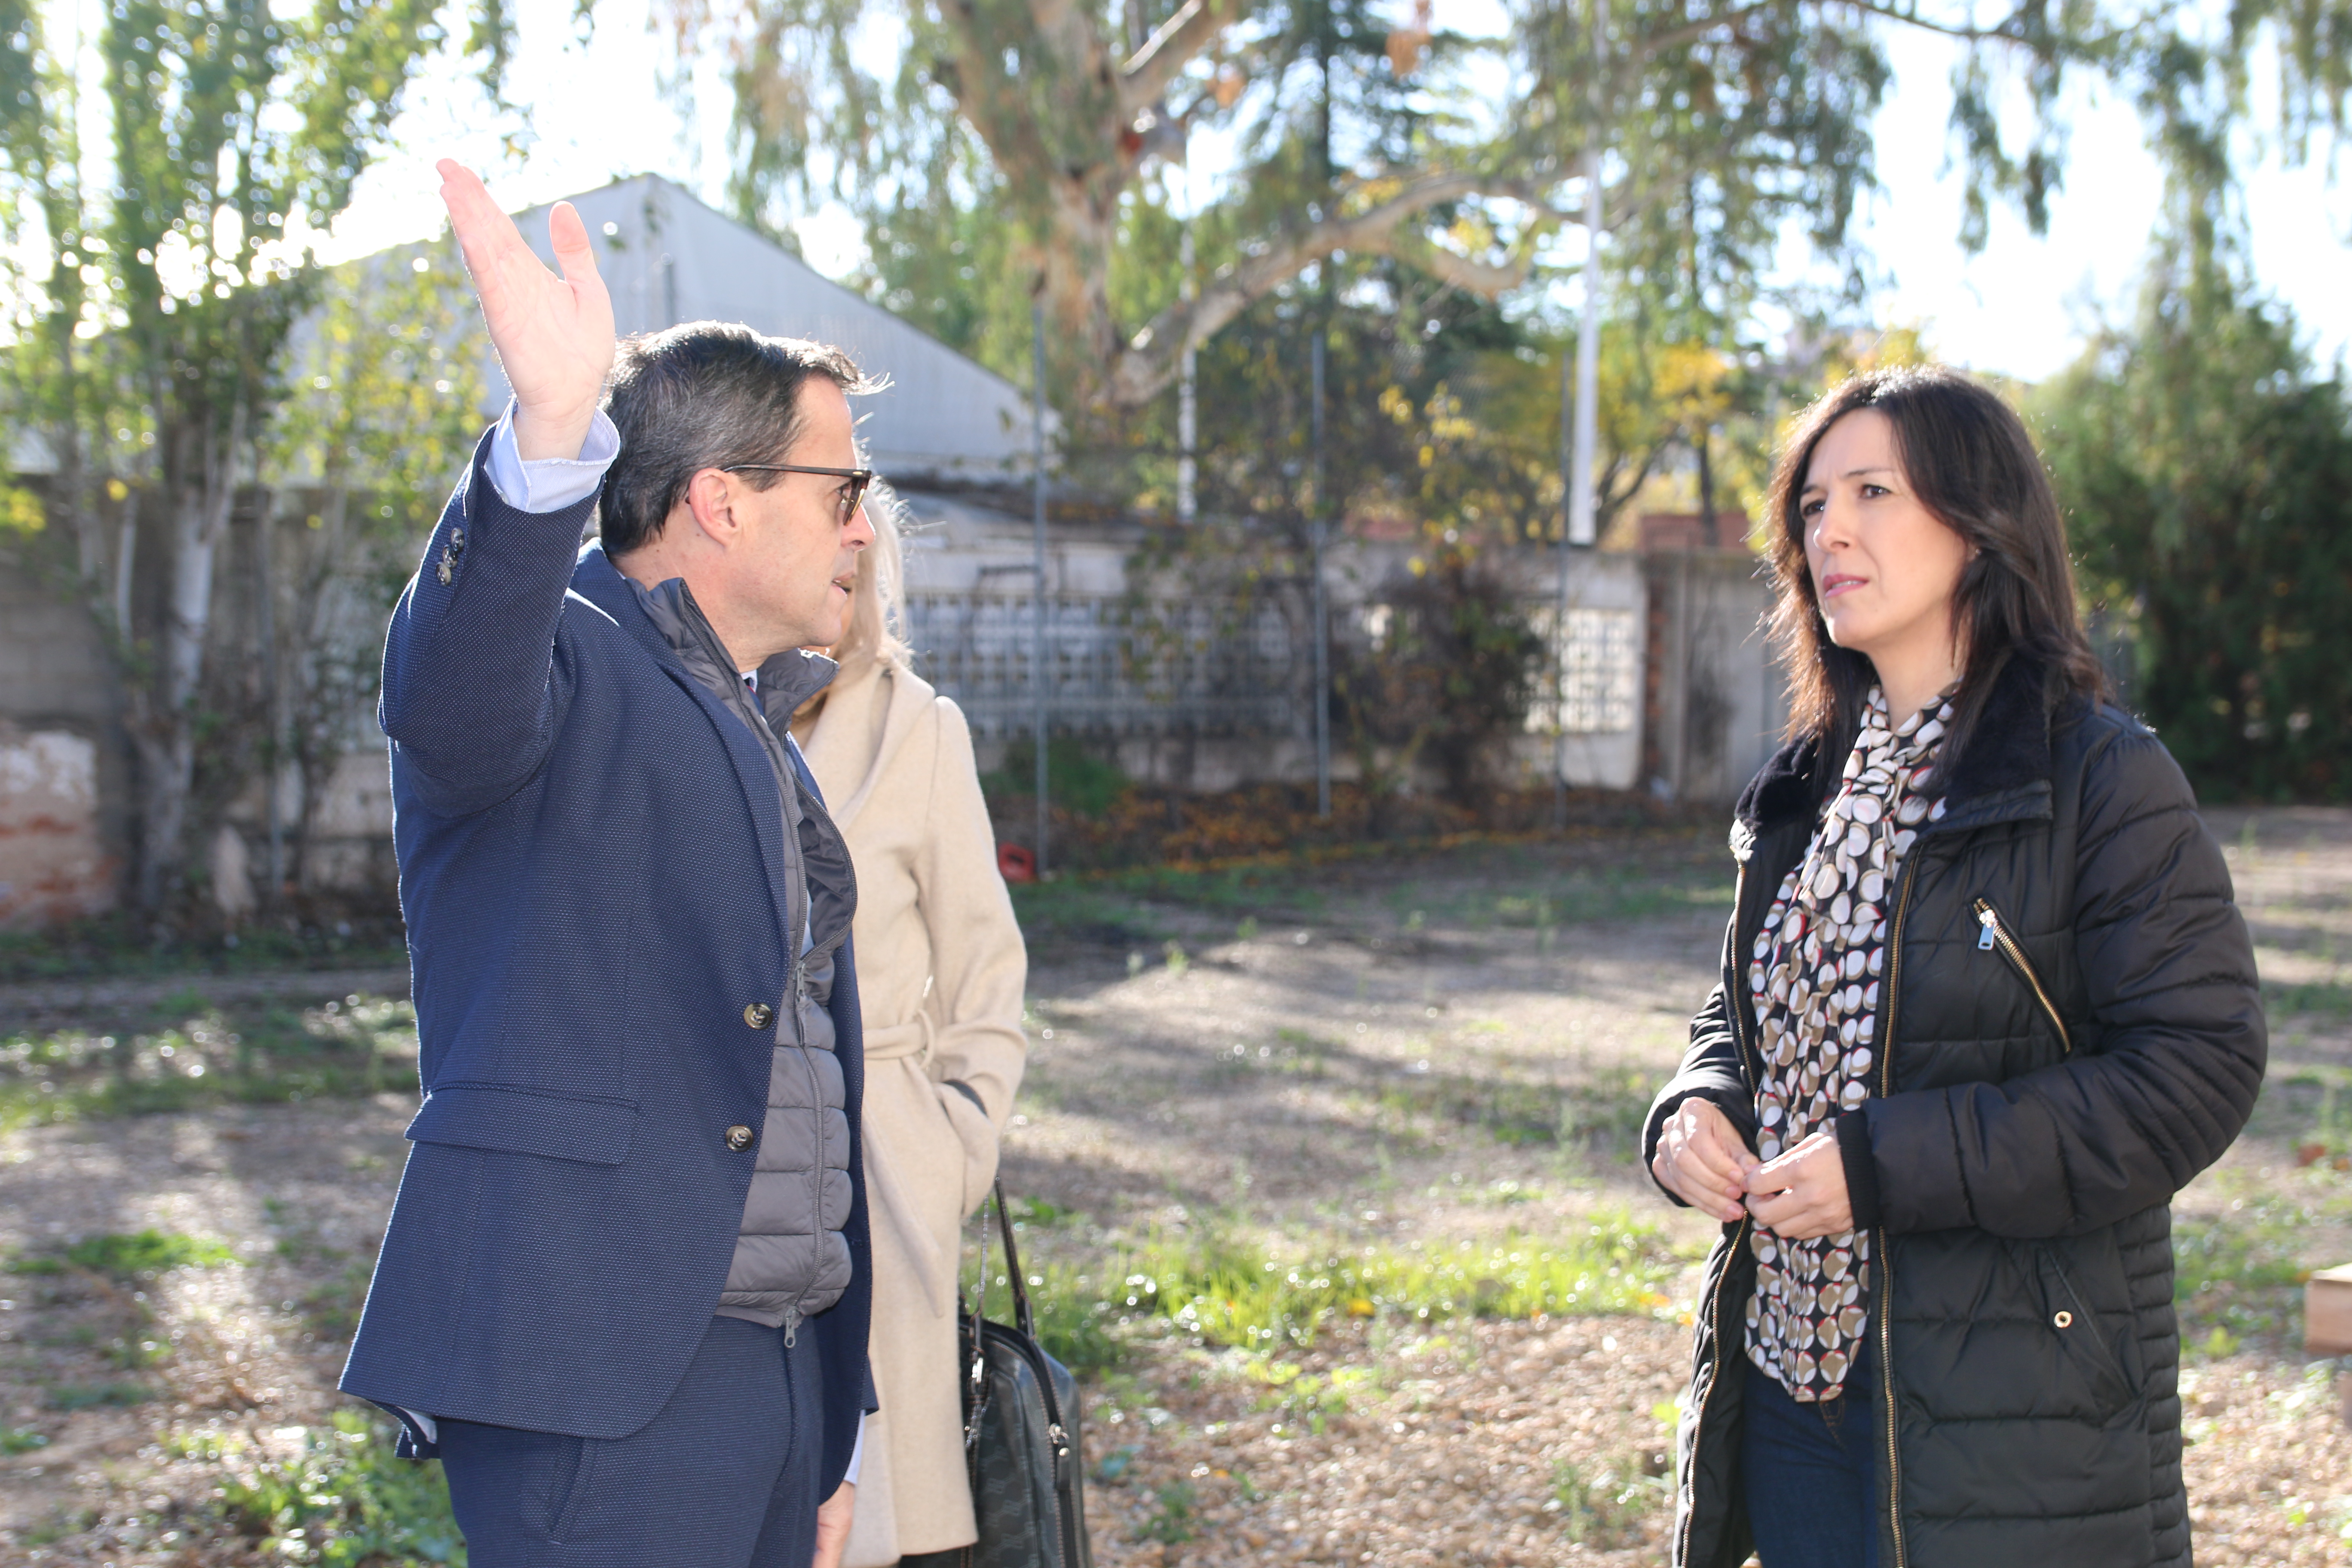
857	1455
550	484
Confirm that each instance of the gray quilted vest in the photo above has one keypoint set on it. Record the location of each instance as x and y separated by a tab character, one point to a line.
791	1260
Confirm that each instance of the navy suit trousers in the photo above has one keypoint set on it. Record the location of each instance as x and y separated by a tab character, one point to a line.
724	1477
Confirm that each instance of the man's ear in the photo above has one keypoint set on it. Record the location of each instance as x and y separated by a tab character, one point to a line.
711	497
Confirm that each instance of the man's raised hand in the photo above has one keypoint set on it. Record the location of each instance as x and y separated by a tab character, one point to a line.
554	335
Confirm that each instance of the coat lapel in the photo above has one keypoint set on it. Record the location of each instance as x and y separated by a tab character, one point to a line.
839	752
596	580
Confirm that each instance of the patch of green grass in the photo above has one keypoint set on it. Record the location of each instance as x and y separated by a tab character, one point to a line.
1223	1291
22	1440
2239	1275
1310	1399
95	1396
1602	1113
2326	999
331	1309
1242	890
1605	1508
357	1045
348	1501
1130	909
1083	911
125	945
57	1527
140	1256
1486	891
1174	1522
2307	1105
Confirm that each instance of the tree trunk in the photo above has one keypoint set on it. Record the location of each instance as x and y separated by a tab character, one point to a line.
316	748
168	747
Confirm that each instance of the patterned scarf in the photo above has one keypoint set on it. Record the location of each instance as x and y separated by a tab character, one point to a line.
1815	980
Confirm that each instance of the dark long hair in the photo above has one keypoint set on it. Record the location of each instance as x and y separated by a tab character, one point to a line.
1971	462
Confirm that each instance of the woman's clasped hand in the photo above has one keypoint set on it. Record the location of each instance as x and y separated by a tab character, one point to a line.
1703	1160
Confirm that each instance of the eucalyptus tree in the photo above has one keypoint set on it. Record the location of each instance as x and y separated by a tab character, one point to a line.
159	178
995	154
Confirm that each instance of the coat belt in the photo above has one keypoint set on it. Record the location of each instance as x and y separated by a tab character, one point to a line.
913	1038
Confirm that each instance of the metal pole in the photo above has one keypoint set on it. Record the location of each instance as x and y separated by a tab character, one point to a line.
1588	330
1319	526
1037	641
1559	609
1188	406
1577	441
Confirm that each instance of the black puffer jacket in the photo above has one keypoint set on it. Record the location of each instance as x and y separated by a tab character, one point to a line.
2073	1031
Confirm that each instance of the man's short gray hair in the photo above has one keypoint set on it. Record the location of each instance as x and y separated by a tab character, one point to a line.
703	395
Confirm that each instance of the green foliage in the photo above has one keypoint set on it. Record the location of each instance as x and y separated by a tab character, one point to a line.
150	311
22	1440
1076	779
2207	471
1446	666
348	1501
21	511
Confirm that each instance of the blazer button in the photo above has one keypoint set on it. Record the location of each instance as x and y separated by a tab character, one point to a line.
758	1014
739	1138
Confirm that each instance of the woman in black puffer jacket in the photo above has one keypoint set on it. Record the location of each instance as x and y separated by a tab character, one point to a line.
1986	1005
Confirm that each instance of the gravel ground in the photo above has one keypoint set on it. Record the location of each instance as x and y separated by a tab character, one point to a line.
1356	1062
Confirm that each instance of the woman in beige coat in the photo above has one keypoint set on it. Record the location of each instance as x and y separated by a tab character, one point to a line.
941	971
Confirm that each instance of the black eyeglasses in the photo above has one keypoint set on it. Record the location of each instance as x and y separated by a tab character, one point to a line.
853	490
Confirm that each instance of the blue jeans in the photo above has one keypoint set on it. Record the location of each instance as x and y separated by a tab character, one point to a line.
1809	1471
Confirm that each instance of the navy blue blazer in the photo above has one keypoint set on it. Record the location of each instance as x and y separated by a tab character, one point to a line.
592	866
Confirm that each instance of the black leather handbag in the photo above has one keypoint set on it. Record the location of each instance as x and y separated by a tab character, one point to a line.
1020	1430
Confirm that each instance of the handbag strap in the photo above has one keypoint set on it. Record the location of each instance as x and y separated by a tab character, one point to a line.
1023	1315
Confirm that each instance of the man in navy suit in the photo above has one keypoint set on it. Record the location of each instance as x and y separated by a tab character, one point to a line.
624	1289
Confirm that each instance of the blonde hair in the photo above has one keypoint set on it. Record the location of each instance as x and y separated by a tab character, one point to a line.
876	619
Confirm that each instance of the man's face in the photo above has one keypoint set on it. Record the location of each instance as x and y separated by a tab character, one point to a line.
794	577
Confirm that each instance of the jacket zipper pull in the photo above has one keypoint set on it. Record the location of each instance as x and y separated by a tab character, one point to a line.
1988	922
791	1326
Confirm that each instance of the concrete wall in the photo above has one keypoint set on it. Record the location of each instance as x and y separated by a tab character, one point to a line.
1188	696
1667	687
65	769
1716	698
1590	732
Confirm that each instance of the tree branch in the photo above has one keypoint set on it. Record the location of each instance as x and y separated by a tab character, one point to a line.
1176	45
1657	44
1148	363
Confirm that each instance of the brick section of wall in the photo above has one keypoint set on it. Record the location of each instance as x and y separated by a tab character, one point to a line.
53	865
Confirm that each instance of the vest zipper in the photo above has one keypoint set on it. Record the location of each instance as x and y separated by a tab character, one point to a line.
800	1001
1884	1261
1992	934
1734	996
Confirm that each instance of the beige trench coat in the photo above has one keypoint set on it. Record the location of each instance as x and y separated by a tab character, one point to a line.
940	973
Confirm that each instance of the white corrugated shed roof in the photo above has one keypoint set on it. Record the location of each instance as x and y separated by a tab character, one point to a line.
669	258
